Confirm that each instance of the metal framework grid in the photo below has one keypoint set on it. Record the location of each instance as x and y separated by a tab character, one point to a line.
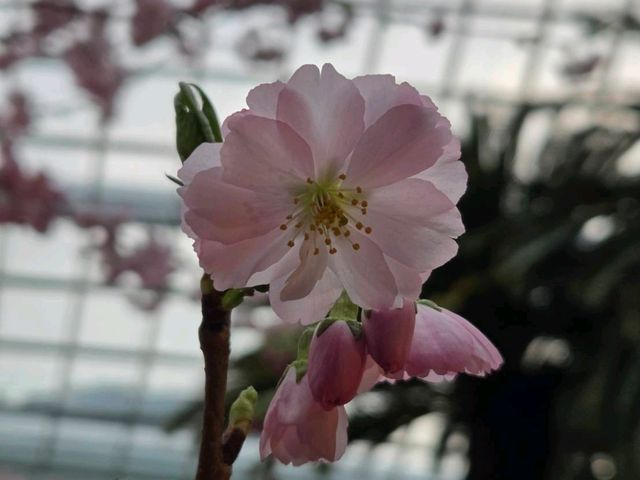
86	380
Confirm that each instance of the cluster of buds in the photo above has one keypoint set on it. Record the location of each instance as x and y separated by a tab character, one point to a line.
341	357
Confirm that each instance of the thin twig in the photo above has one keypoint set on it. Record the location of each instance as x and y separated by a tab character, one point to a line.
214	343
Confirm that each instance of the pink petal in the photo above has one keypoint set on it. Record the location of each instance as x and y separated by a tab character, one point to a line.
381	93
484	350
448	174
232	265
372	375
262	102
415	201
363	272
403	142
231	120
204	157
296	430
222	212
336	365
388	335
408	280
327	111
311	308
426	217
264	154
326	434
305	277
438	344
446	344
418	247
263	99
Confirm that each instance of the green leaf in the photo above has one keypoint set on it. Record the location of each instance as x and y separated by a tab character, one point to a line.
196	120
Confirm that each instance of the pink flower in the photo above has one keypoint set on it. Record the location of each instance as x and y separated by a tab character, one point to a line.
388	335
298	430
445	344
336	364
326	183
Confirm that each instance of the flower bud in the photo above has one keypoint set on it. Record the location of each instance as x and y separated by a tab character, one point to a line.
336	363
388	335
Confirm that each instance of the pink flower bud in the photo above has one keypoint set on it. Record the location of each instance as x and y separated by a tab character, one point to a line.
388	335
298	430
445	344
336	364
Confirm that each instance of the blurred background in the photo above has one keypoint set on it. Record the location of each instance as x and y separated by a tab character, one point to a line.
100	372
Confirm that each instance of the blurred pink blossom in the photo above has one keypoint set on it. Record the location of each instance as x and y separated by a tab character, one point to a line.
15	121
336	364
51	15
152	262
93	66
151	19
26	199
312	185
297	429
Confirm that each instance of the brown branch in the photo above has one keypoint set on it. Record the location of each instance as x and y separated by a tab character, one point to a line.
214	343
232	442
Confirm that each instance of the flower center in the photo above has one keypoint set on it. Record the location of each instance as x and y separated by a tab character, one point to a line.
324	211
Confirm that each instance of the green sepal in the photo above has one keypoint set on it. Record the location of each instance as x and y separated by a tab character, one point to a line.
301	369
175	180
429	303
304	342
233	297
196	120
344	308
354	326
242	409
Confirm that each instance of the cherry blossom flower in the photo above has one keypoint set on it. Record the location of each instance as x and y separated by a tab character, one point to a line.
298	430
388	336
336	364
445	344
326	183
